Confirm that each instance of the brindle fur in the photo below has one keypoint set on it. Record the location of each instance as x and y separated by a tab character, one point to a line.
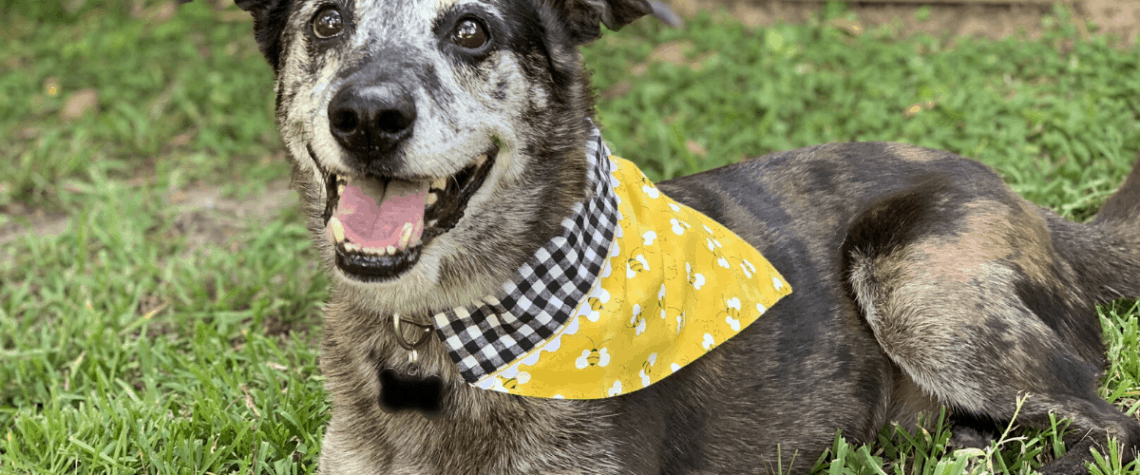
920	280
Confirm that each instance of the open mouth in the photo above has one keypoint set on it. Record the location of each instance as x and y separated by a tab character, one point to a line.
380	225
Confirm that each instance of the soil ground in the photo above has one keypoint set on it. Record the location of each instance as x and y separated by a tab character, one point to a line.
991	20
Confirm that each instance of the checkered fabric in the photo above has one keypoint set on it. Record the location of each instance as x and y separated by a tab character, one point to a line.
484	338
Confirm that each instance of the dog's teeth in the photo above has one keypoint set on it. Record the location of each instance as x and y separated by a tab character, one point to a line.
431	199
439	183
340	188
351	246
406	235
374	251
481	160
432	222
337	229
391	250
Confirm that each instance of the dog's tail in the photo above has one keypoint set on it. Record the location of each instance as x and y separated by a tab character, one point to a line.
1117	255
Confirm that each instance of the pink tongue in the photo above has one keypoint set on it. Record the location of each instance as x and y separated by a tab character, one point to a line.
374	215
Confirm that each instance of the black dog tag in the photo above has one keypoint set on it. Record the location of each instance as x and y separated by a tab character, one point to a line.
399	391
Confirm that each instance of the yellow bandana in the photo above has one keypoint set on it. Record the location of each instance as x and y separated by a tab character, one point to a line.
676	285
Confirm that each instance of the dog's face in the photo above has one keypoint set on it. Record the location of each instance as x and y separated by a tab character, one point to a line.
436	143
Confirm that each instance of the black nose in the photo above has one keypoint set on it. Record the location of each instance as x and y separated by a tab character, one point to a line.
371	118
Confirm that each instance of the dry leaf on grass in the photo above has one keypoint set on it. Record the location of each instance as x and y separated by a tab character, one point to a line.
914	109
249	401
51	86
852	27
618	90
696	148
79	103
160	13
671	52
180	140
231	16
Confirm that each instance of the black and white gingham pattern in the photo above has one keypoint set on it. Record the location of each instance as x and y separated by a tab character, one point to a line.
485	338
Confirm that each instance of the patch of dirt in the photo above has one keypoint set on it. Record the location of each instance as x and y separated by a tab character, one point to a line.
672	52
204	216
23	220
989	20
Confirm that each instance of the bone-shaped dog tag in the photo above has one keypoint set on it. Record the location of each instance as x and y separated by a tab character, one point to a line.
399	391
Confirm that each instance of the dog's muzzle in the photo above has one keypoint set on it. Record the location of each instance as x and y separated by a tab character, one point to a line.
378	218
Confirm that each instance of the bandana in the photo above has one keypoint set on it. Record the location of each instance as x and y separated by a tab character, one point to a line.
636	287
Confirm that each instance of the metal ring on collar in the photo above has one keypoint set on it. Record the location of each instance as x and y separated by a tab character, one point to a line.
424	332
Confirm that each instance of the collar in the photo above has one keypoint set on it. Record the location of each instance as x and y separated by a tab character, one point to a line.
636	287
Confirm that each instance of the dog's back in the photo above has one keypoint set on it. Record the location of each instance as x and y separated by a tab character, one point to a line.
976	296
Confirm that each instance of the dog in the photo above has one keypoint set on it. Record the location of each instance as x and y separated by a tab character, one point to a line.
919	281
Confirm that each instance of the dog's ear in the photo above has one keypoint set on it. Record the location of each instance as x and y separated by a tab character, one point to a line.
269	18
583	17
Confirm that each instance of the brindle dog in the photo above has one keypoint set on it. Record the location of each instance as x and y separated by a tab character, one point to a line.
921	281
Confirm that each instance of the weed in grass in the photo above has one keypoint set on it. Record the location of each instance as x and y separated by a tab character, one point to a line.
923	13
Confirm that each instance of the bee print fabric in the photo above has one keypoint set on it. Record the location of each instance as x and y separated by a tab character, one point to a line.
675	285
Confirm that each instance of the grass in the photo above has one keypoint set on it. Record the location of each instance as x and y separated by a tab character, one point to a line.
170	325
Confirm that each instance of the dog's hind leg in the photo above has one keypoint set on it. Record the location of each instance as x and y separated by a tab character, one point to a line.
967	293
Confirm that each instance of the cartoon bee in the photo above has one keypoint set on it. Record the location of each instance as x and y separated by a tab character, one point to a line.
661	307
732	306
715	246
509	383
597	303
637	322
648	187
593	356
636	264
694	278
647	365
732	313
712	243
647	368
747	267
679	226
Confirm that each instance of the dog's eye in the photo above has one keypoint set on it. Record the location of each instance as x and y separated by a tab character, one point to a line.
469	34
327	23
